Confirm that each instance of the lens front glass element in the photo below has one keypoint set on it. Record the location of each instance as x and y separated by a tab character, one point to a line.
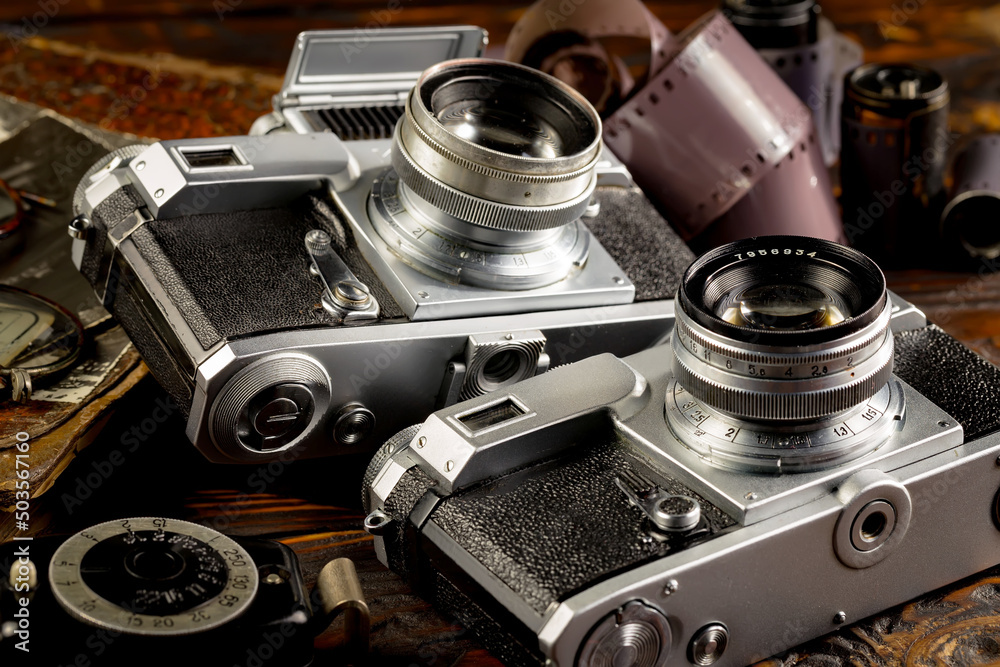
787	307
783	291
506	129
506	111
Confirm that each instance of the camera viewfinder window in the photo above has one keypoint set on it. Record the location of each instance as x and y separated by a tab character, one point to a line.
207	159
492	415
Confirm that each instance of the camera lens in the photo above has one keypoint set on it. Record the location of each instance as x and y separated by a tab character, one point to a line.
780	343
785	291
498	145
493	159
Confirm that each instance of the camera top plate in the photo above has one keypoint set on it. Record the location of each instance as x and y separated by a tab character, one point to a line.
461	457
423	297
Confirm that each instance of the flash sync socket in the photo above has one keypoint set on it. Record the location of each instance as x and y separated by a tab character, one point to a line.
873	525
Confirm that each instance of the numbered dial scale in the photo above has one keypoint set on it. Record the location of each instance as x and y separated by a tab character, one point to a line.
153	576
743	445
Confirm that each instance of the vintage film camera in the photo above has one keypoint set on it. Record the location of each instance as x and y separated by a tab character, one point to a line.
304	295
172	591
796	458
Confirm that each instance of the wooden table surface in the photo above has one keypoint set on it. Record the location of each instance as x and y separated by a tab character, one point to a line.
172	69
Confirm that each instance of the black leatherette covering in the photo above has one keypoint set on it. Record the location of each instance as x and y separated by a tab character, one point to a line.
248	272
412	486
556	527
237	274
647	249
107	215
952	376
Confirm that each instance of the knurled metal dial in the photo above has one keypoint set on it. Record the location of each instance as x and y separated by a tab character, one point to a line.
382	455
779	384
486	212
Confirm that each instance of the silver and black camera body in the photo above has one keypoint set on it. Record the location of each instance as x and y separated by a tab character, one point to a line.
309	294
802	454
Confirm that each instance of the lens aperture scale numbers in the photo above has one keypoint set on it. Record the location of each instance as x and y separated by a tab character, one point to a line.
800	366
732	443
153	576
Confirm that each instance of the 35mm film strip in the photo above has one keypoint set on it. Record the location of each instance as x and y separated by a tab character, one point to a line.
716	124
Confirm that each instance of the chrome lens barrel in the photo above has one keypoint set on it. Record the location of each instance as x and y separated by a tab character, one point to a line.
783	329
498	145
783	356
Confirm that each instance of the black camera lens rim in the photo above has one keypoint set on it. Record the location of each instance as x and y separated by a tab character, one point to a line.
862	88
818	258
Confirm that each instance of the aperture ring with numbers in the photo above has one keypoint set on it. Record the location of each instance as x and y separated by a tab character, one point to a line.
793	364
761	398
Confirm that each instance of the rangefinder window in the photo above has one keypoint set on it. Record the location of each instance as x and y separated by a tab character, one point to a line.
492	415
211	158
